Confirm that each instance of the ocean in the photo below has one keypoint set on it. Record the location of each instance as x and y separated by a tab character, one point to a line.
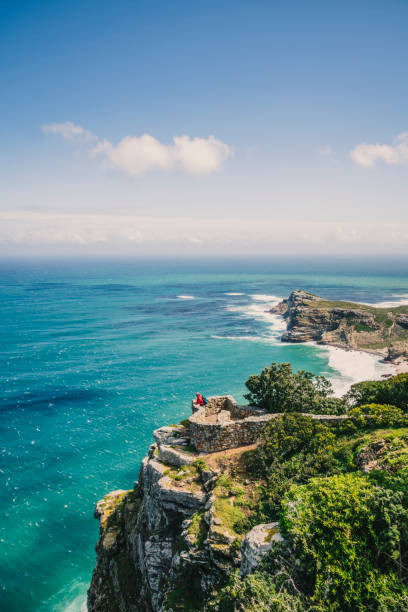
96	354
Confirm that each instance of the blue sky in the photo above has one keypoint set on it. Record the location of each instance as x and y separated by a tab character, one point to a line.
306	104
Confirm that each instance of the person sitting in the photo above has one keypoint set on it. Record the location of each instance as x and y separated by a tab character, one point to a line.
200	400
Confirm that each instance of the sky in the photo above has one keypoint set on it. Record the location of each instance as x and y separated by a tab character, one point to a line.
203	127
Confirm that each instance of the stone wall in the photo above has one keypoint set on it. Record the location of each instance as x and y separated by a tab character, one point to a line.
223	424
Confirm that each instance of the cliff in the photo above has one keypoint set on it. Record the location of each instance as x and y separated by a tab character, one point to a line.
345	324
171	541
274	525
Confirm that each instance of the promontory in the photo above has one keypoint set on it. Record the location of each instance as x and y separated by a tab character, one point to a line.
347	325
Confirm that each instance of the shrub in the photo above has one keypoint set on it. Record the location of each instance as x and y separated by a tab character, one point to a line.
293	448
375	415
278	389
284	437
349	536
200	464
254	593
393	391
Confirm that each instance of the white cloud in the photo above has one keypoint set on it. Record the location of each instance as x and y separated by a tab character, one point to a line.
136	155
367	155
68	130
200	155
130	234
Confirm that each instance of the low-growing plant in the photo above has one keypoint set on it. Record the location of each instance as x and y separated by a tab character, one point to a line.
198	529
200	464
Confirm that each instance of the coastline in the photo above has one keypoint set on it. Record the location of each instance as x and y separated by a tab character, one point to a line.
328	327
356	365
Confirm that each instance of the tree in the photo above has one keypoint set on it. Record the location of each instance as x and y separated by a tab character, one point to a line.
278	389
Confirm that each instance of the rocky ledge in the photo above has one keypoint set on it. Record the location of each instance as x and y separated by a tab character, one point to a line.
170	540
345	324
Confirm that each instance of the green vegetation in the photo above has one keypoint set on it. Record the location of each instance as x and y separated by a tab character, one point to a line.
198	529
379	312
392	391
233	504
363	327
201	465
278	389
348	535
188	596
339	492
186	475
255	593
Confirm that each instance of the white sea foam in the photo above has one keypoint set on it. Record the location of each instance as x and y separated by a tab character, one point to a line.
262	339
261	297
350	366
186	297
353	367
72	599
234	293
356	366
401	299
77	605
258	309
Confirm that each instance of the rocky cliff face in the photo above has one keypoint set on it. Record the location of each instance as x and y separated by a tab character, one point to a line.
345	324
167	544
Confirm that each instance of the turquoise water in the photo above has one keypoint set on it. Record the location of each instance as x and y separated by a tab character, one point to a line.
97	354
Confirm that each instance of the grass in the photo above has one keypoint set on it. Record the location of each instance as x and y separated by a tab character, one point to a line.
201	465
233	504
198	529
187	475
363	327
109	506
380	313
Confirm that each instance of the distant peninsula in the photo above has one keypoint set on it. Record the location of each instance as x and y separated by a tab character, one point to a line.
346	325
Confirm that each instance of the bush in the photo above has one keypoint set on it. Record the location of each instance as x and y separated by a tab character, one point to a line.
278	389
254	593
293	448
376	415
349	536
393	391
284	437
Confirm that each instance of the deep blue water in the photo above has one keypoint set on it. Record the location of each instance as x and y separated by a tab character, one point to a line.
96	354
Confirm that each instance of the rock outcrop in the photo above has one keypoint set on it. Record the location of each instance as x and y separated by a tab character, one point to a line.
259	541
176	537
161	542
345	324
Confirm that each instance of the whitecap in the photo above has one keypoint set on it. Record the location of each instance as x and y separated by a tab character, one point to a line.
401	300
354	366
259	311
186	297
261	339
261	297
234	293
